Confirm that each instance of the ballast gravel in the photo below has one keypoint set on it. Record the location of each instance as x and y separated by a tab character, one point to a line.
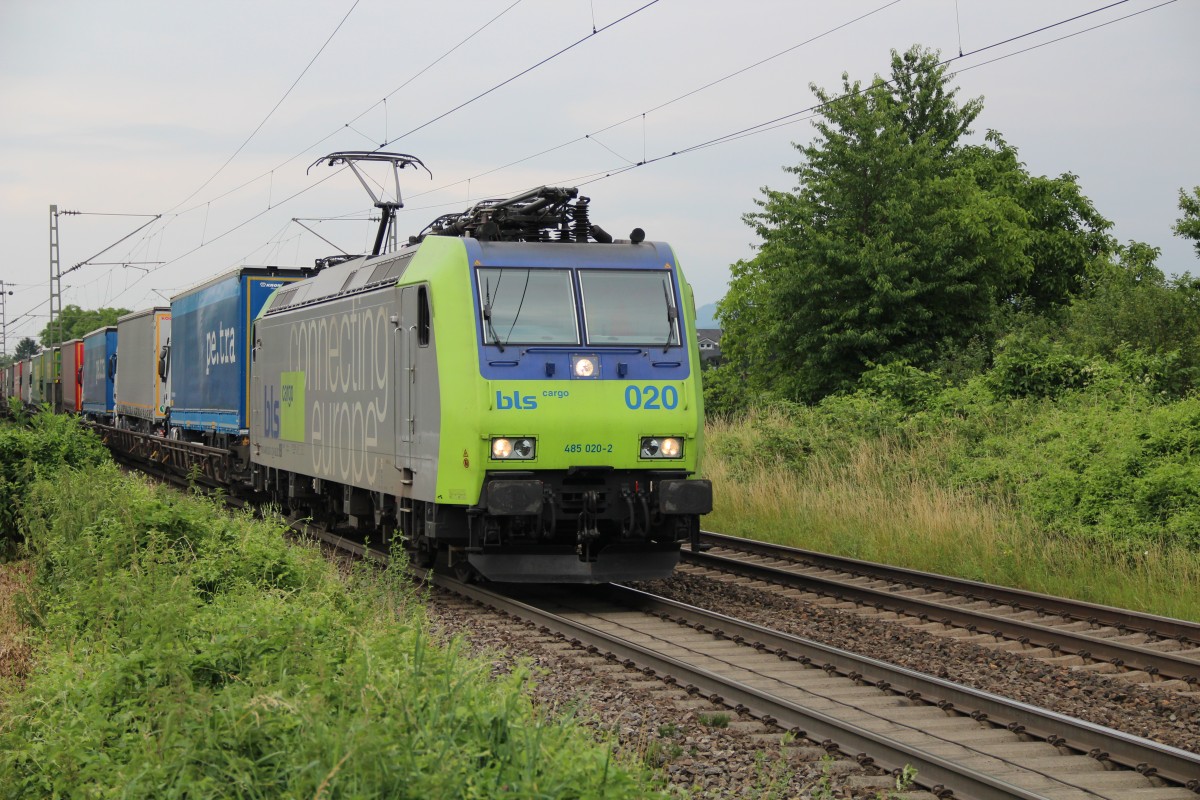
710	751
695	745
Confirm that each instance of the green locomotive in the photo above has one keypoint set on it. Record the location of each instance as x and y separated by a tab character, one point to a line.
514	393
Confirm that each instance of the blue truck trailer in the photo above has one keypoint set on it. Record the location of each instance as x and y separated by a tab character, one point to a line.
211	333
99	369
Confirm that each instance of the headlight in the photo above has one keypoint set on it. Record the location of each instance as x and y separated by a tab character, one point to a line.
585	366
661	447
518	448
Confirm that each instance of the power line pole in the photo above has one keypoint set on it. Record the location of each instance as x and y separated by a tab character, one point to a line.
55	278
54	328
4	292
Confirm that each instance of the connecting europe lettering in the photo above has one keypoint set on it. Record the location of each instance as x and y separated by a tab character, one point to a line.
334	392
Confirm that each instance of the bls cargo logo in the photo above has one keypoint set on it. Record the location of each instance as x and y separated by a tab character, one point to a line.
283	418
517	400
270	413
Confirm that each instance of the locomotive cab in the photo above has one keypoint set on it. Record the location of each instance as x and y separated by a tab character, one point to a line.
593	420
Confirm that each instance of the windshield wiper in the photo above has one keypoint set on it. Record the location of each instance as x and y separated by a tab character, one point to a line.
487	312
672	316
519	305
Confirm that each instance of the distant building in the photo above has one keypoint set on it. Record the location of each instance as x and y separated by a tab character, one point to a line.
710	344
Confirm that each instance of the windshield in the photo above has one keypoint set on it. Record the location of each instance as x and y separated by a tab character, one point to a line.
629	307
527	306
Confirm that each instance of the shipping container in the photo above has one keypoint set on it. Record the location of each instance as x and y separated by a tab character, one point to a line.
143	386
27	381
37	385
71	377
99	370
52	390
211	328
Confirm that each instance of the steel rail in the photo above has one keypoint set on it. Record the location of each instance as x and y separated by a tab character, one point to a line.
1128	750
1056	639
1165	627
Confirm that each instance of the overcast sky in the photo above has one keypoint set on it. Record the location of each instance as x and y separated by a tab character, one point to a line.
132	107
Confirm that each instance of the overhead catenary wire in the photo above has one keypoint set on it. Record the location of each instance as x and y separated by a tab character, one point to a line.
362	114
117	242
808	112
523	72
207	204
270	113
710	84
813	109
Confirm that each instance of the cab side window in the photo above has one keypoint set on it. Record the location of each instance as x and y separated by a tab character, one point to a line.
423	323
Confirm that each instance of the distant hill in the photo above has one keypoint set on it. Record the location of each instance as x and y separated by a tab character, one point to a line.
706	316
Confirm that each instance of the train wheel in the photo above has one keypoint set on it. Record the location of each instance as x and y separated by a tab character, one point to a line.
465	572
423	555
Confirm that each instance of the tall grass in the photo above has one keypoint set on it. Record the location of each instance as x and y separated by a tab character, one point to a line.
886	498
184	652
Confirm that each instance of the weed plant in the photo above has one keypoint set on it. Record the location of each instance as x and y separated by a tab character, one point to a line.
185	652
1094	494
32	448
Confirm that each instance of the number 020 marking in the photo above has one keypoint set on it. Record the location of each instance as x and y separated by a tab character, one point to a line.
651	398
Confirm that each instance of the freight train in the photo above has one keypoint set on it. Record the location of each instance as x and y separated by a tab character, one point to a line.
513	393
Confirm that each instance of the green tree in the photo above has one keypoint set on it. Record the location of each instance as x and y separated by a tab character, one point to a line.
1065	234
1188	226
77	322
900	241
26	348
1129	304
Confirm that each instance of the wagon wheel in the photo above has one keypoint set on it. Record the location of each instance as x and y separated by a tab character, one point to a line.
221	470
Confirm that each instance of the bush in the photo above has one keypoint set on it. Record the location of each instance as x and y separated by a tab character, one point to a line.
912	388
725	392
36	447
1036	367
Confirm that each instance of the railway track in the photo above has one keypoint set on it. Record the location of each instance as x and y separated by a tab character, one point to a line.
963	742
959	740
1139	648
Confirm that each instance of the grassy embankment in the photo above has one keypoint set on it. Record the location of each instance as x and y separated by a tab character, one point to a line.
179	651
1095	495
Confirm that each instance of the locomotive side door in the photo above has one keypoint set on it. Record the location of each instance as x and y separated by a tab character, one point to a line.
406	376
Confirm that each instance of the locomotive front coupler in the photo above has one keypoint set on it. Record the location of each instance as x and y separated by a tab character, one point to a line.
587	533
